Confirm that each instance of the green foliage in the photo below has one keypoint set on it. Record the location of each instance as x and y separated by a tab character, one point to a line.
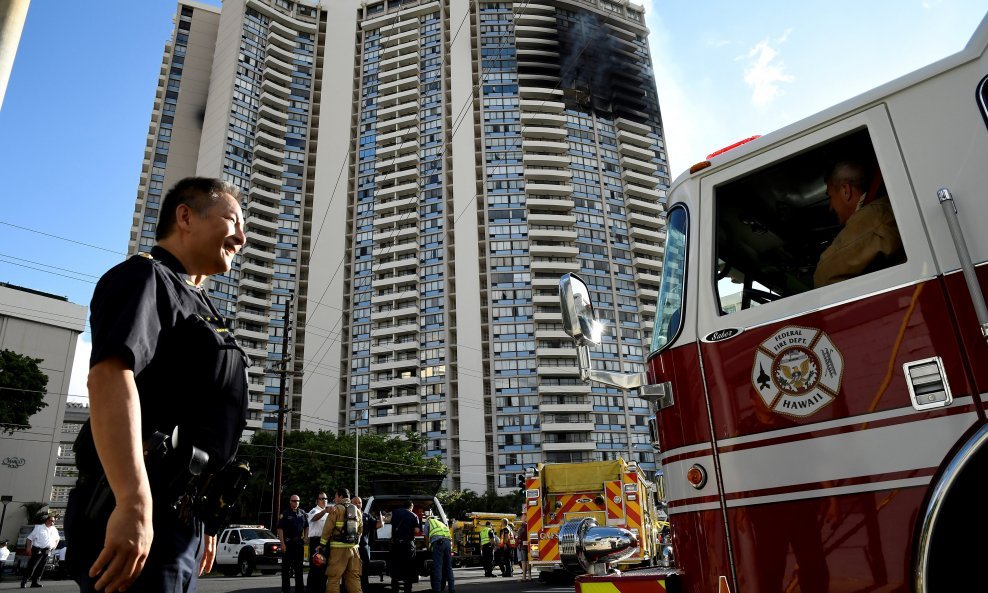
457	503
33	510
22	390
322	461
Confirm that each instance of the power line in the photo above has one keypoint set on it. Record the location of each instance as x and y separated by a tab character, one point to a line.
60	238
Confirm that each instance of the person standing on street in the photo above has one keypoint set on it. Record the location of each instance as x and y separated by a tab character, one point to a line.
404	525
487	549
341	535
440	542
163	360
316	582
526	567
292	528
39	544
506	548
370	527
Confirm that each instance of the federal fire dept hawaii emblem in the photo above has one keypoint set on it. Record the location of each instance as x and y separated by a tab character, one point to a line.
798	371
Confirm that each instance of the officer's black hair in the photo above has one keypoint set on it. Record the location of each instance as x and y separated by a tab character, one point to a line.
343	492
198	193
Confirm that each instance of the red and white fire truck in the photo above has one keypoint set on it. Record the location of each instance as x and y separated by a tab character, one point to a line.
824	434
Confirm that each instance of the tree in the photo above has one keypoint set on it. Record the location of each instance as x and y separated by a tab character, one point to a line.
457	503
33	510
324	461
22	390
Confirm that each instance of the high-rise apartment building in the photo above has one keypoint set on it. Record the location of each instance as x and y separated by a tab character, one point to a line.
471	152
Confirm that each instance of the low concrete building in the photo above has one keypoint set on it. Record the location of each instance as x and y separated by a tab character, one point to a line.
44	326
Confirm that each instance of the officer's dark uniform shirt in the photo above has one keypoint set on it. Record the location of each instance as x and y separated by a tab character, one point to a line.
187	365
292	524
403	525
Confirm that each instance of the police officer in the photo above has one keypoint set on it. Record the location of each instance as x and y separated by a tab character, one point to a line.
404	525
162	357
292	528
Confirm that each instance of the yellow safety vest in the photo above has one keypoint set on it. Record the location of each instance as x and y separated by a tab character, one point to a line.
485	536
437	528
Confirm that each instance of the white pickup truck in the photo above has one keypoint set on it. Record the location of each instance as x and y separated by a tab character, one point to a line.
245	548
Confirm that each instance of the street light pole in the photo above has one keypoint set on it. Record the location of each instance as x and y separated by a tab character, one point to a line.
5	499
356	459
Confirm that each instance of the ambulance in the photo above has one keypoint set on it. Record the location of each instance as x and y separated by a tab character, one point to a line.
613	493
821	420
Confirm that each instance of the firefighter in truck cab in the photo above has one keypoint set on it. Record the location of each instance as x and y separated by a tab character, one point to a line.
818	368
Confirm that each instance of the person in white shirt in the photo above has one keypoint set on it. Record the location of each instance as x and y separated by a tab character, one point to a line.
317	520
39	544
4	554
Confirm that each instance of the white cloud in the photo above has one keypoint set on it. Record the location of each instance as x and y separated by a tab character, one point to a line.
764	71
80	370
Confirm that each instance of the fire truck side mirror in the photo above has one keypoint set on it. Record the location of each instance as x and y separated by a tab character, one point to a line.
579	319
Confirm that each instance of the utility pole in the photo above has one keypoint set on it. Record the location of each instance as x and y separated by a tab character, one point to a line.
279	450
356	459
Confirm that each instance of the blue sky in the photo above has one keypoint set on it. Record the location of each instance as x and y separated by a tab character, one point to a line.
75	117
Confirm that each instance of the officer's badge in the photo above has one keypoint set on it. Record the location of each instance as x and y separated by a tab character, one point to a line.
798	371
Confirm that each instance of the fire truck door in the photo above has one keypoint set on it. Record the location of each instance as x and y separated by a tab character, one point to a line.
822	449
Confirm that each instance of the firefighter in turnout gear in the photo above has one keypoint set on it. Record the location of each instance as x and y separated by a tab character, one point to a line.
342	534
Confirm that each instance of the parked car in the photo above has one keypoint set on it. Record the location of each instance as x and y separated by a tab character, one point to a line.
244	548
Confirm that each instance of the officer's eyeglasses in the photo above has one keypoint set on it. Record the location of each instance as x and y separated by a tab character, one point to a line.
322	498
294	500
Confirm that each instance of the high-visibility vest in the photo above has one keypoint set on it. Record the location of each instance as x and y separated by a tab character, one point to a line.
485	536
509	541
437	528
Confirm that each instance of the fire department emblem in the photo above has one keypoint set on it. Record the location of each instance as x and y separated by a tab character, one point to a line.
798	371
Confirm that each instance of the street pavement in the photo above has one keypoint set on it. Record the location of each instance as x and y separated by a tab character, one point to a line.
468	580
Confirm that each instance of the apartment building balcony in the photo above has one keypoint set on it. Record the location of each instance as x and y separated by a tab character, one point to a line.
534	20
280	53
561	267
538	118
541	145
650	207
271	126
390	365
252	335
405	327
552	249
545	160
247	299
631	163
396	149
642	219
533	8
563	389
252	268
400	49
648	308
269	112
552	233
260	195
400	84
639	140
258	285
644	276
637	191
399	37
547	334
255	353
399	248
403	231
550	174
632	176
653	249
259	177
553	219
584	445
397	62
535	40
406	135
394	400
403	263
412	379
269	152
543	133
397	99
560	203
279	35
551	316
648	232
397	72
646	292
564	408
558	371
391	280
406	346
395	295
538	60
634	150
543	106
555	352
394	177
256	221
406	107
277	142
399	162
260	164
408	216
553	425
648	263
394	419
397	191
257	251
546	188
252	317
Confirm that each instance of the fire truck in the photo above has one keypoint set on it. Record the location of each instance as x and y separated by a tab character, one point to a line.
822	427
466	535
612	493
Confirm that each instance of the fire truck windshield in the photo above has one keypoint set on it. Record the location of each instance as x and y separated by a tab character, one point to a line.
668	315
